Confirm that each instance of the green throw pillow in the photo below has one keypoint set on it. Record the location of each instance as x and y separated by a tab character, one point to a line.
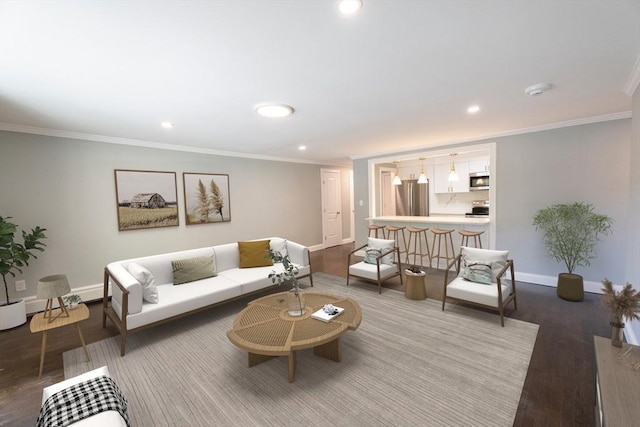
371	255
479	272
254	254
192	269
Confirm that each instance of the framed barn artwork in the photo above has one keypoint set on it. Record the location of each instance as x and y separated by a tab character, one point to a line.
206	198
146	199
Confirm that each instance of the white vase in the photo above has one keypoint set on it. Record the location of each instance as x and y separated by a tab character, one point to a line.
12	315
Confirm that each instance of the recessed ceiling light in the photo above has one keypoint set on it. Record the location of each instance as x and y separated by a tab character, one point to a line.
349	7
167	125
537	89
473	109
302	147
274	110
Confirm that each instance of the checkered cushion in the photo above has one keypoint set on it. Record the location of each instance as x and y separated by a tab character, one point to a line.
81	401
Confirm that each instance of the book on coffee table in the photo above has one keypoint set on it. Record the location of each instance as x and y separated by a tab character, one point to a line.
324	316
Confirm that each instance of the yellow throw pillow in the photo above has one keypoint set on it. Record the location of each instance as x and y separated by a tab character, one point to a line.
254	254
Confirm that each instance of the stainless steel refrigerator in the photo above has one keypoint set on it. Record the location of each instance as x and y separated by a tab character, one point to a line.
412	199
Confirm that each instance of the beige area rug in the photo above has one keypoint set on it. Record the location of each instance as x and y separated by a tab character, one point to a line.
409	364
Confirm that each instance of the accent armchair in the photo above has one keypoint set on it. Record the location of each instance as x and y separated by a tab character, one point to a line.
481	280
378	264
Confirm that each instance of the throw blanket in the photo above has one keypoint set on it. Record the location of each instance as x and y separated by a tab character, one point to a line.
83	400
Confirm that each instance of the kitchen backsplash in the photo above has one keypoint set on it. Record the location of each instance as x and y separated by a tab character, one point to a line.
455	203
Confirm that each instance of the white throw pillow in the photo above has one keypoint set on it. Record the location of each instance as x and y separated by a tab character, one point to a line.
383	245
145	278
497	259
279	246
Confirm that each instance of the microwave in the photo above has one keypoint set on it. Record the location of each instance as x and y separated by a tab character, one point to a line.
478	181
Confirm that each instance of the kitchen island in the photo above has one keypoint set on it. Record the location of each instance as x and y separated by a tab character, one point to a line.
446	222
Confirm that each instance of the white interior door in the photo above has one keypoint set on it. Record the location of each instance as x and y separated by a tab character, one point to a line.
331	202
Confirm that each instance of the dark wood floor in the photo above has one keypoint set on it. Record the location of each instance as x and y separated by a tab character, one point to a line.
558	390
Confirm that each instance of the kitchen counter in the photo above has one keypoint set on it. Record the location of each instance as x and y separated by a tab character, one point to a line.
433	219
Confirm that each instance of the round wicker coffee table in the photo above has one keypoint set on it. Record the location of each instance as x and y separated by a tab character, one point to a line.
265	330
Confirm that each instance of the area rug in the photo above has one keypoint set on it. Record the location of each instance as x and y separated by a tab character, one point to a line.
408	364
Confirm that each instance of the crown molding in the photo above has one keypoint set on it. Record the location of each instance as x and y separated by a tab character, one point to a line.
549	126
634	79
147	144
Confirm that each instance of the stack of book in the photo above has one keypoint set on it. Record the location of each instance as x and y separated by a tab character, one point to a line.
326	314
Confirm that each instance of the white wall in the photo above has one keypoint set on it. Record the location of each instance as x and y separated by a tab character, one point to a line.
632	249
581	163
67	186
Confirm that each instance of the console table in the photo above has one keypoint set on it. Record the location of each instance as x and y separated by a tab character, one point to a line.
617	386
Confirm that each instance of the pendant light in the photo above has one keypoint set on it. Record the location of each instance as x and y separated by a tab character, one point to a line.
396	179
422	179
453	176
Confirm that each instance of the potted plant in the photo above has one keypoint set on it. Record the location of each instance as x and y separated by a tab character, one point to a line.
296	306
571	232
624	304
13	257
73	300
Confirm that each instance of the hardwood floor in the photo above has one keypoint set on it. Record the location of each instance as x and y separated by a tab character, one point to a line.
558	390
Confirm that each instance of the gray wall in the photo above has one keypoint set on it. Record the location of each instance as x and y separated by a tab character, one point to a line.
67	186
581	163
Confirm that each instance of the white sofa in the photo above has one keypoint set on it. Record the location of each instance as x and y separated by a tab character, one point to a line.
130	312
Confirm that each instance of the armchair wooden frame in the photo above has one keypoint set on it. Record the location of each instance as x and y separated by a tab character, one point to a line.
378	262
501	304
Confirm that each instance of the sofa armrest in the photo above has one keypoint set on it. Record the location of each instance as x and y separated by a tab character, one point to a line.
298	254
123	280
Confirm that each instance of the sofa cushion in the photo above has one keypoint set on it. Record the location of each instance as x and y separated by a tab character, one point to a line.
476	271
383	245
371	256
192	269
254	254
146	280
279	247
497	259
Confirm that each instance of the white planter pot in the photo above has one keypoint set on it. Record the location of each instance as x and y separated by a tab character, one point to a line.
13	315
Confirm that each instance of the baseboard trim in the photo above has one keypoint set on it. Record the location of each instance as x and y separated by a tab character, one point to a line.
87	293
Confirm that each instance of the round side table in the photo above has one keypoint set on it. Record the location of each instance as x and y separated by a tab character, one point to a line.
415	288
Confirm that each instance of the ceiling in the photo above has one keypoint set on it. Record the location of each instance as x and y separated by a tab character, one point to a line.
397	76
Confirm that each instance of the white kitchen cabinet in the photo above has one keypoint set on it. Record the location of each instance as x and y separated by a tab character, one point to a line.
479	165
441	178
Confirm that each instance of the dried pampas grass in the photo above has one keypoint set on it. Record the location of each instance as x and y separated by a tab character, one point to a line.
624	304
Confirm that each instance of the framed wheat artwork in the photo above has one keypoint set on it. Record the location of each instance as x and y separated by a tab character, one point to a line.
146	199
206	198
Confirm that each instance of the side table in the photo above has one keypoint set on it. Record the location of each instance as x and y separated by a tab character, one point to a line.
415	285
40	324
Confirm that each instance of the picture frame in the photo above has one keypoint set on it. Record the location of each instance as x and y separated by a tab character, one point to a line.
206	198
146	199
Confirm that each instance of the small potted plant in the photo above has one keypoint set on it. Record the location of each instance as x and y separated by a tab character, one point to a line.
624	304
571	232
73	300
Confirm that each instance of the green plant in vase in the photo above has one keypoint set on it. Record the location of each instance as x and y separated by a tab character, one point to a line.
288	277
571	232
14	257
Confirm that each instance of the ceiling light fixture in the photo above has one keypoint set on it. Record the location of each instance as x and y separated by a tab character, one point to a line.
473	109
166	125
302	147
453	176
422	178
537	89
349	7
274	110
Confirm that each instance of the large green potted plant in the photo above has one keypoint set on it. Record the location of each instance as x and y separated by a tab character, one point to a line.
13	257
571	232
